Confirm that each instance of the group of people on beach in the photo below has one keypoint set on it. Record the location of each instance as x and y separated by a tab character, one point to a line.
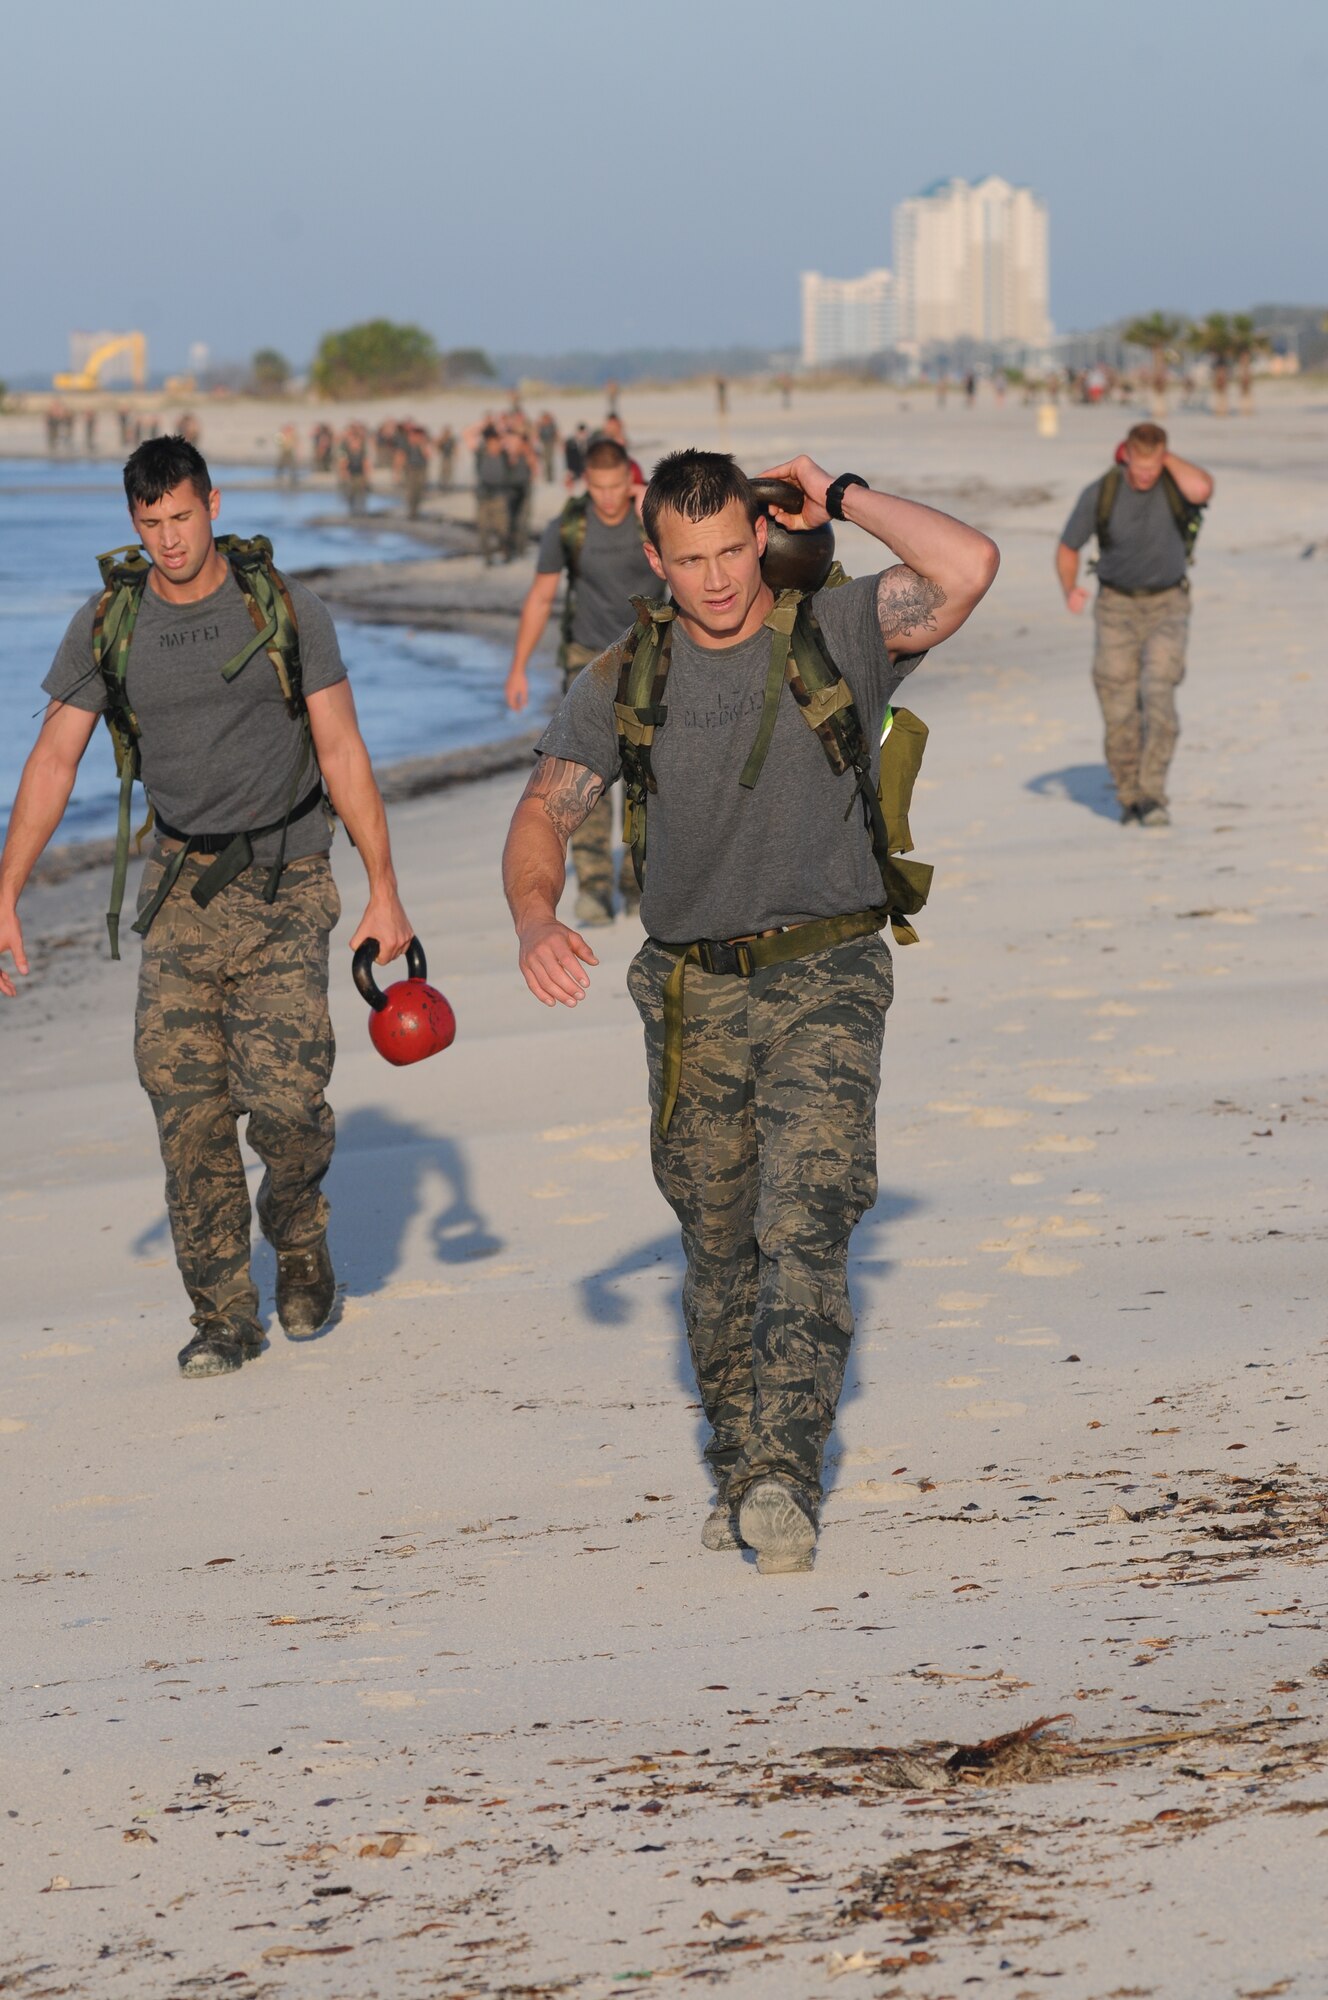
752	720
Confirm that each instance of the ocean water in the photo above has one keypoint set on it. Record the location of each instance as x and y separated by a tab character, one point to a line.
417	692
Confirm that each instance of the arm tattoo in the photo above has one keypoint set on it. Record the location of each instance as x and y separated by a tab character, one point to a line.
906	602
567	792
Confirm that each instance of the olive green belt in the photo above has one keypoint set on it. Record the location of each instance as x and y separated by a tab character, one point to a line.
741	957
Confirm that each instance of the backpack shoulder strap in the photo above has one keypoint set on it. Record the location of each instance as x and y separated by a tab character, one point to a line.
1106	500
113	622
276	628
638	711
572	526
1187	514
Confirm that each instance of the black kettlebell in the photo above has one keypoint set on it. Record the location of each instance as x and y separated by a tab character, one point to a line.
795	558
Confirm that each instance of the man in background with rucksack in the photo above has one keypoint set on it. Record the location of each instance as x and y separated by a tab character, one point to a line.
596	542
1145	512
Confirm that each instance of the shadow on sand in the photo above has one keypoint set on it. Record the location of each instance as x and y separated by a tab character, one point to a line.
610	1299
1085	784
386	1173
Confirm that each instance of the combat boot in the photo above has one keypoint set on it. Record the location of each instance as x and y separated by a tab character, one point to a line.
306	1289
218	1348
775	1520
720	1531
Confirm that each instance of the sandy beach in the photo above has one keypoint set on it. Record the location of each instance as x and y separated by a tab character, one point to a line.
464	1708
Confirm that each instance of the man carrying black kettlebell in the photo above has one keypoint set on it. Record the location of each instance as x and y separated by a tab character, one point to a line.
226	691
764	981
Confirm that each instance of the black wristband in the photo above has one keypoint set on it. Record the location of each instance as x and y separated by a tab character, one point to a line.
834	494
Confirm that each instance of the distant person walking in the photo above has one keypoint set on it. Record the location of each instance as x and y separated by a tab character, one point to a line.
493	506
1144	512
447	445
288	459
413	467
548	443
574	453
597	543
353	468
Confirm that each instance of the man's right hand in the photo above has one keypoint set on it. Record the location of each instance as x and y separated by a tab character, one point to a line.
11	940
516	690
1076	599
552	957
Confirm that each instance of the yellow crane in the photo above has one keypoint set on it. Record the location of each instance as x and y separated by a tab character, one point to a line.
133	344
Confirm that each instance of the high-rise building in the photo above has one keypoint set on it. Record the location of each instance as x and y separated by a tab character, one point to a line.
971	264
845	319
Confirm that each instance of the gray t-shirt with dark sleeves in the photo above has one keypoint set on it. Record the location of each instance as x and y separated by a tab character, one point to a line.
724	862
1145	549
611	570
218	756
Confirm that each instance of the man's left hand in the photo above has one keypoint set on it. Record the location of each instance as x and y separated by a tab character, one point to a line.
385	920
814	481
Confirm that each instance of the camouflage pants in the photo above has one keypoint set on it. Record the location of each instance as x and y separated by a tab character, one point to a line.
769	1163
1138	663
413	485
592	843
493	520
232	1021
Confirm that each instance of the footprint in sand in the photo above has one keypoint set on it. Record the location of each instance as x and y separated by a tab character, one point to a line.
1048	1093
1026	1179
1026	1340
59	1350
982	1412
387	1698
1064	1142
1041	1264
881	1489
102	1500
963	1301
10	1424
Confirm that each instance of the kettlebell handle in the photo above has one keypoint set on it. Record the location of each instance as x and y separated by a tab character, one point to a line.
785	494
362	969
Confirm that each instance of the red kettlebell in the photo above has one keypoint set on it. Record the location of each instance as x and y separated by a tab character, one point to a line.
411	1020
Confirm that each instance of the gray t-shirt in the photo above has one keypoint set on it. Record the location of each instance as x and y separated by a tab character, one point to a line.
723	861
1145	549
611	570
218	756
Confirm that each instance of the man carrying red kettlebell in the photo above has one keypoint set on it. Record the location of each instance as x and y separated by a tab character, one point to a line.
1145	512
225	691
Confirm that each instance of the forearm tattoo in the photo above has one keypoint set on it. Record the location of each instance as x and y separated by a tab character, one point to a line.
568	792
906	602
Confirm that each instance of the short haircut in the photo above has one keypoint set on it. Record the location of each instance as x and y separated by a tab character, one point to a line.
160	465
603	452
1148	437
695	484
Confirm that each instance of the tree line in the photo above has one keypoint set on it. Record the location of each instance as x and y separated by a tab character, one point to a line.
378	357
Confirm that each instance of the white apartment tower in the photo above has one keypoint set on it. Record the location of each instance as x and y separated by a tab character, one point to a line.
844	319
971	263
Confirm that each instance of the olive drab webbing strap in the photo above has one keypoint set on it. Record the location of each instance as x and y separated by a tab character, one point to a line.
1187	514
639	711
267	597
572	527
113	624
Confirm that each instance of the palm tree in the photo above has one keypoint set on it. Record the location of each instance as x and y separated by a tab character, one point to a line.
1160	334
1214	338
1245	344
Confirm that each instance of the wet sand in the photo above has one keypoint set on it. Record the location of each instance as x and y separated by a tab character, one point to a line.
464	1709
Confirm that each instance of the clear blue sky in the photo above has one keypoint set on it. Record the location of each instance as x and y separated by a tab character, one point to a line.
552	174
